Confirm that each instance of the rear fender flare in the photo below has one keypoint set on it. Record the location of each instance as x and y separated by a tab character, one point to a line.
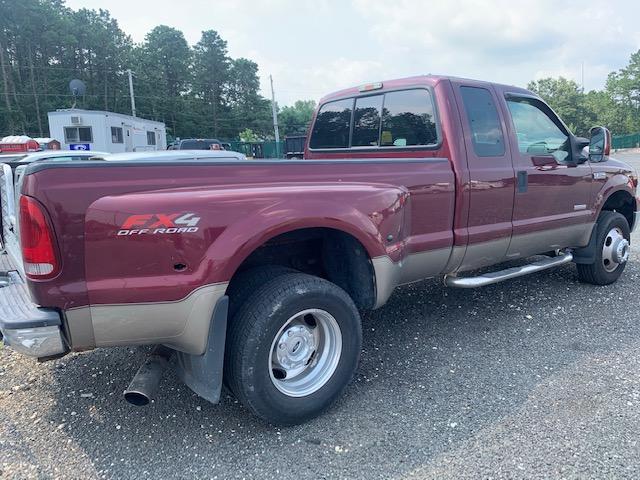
243	237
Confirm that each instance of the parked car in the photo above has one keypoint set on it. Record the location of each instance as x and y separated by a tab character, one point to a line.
57	155
198	144
255	271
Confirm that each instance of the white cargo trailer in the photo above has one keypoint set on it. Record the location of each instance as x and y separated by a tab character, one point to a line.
105	131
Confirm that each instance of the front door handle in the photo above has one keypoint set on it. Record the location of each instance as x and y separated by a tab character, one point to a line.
523	181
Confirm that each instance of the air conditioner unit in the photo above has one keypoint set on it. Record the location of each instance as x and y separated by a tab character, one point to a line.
76	120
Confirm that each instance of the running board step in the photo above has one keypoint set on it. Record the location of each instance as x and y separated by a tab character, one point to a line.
514	272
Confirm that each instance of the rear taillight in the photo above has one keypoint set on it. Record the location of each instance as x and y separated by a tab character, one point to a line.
37	241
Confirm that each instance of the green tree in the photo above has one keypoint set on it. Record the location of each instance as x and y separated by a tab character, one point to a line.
248	108
197	92
162	76
248	135
43	45
623	87
567	99
605	111
211	73
294	120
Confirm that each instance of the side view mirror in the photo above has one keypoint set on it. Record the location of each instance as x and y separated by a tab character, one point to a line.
600	144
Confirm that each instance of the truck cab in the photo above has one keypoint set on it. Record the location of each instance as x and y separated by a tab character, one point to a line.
524	182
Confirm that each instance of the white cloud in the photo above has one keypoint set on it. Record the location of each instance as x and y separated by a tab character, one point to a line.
509	41
314	47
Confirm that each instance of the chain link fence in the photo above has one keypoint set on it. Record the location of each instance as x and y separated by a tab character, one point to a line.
259	149
626	141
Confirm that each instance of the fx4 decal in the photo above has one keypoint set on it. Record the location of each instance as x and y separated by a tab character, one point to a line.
159	223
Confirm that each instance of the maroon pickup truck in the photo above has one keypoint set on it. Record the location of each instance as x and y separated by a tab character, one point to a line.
253	272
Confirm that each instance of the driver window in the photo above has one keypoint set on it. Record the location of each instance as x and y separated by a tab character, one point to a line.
537	133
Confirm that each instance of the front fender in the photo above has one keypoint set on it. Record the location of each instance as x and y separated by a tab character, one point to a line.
618	182
611	177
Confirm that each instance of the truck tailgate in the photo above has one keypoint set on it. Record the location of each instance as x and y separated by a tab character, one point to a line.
12	260
24	326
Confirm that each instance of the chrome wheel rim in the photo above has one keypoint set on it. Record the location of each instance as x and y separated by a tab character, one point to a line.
305	352
615	250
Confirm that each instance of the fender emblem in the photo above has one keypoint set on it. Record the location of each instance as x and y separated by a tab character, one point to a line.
159	223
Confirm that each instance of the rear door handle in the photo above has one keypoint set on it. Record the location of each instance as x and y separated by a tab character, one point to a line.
523	181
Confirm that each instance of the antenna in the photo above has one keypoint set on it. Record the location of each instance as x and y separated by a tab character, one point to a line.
77	88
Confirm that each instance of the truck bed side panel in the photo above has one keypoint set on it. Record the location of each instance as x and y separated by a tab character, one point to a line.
240	205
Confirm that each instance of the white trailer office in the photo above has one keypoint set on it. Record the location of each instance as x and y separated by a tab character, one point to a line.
105	131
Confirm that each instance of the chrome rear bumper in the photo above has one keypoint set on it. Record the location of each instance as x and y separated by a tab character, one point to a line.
26	327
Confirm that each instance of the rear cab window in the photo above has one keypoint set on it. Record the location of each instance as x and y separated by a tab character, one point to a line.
408	119
332	126
484	122
366	121
386	120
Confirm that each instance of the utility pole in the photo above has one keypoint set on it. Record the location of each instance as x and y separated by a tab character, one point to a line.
133	100
582	71
275	117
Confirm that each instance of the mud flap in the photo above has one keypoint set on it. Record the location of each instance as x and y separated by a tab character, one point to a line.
203	373
587	255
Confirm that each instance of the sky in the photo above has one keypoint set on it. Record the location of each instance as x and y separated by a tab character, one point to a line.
312	48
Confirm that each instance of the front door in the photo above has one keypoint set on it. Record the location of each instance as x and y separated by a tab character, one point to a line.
552	200
128	138
491	185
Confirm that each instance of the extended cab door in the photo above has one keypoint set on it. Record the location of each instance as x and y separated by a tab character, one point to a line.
491	185
552	200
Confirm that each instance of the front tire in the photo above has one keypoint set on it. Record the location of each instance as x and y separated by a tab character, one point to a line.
292	348
612	250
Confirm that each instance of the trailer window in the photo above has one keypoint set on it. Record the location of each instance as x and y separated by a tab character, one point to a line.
366	121
331	129
78	134
116	135
486	132
151	138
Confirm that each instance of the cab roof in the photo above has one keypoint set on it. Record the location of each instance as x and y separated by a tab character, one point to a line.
418	80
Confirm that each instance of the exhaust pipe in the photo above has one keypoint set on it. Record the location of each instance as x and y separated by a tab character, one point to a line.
145	383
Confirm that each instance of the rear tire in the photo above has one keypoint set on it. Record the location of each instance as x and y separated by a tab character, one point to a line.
292	348
248	281
612	230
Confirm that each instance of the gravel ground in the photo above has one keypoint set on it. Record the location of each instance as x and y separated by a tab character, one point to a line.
534	378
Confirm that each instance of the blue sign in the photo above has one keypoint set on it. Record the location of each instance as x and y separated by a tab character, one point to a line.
80	146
